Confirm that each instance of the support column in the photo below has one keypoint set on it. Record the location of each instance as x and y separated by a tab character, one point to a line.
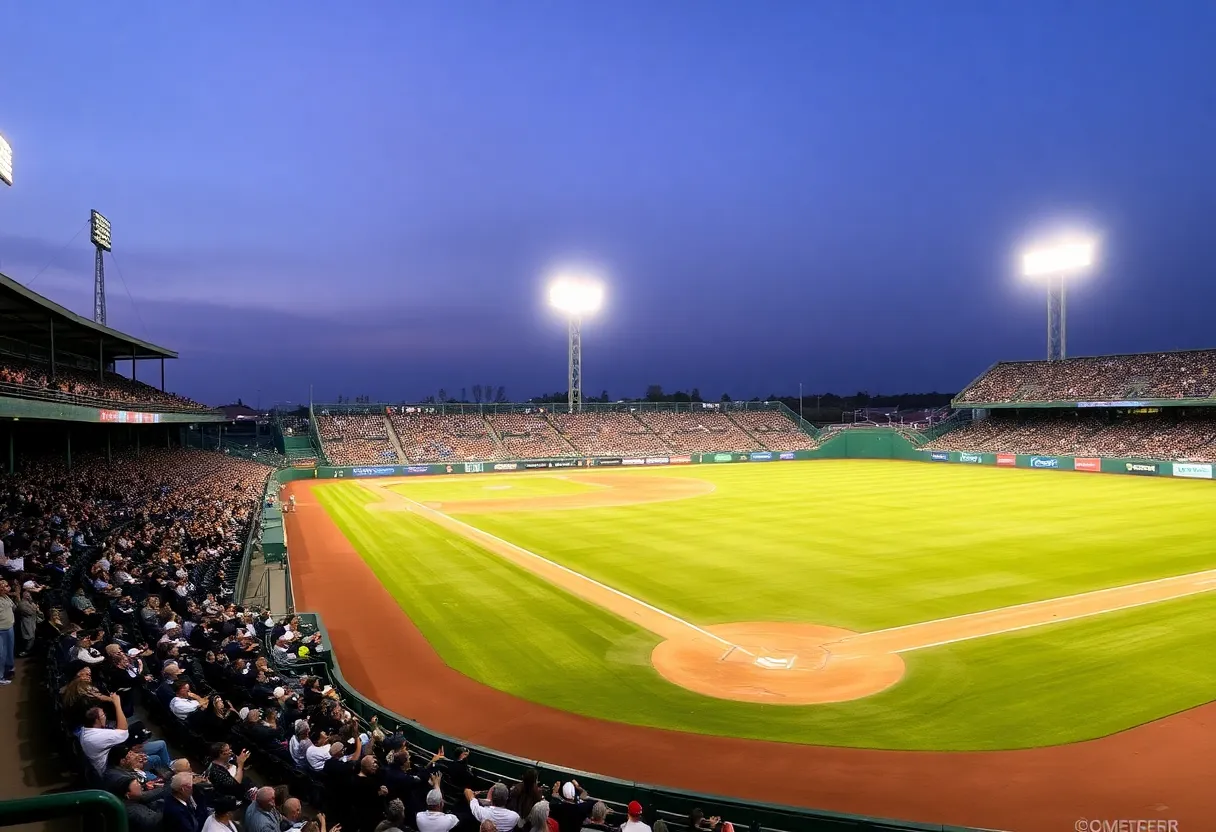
132	366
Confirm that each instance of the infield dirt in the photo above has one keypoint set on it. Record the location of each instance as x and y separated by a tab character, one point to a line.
1158	771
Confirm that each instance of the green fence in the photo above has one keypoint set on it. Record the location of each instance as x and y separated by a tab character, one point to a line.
104	812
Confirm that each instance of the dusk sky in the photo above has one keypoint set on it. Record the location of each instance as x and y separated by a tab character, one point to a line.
368	196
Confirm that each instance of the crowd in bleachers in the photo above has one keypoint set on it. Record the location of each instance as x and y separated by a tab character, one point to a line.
1168	375
698	432
433	437
429	436
112	388
201	715
1150	435
354	438
609	434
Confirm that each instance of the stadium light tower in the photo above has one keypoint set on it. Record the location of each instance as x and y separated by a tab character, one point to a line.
1057	263
6	162
575	296
99	227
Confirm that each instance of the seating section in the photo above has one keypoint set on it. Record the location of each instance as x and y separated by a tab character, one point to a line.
427	436
1169	375
1150	435
609	434
33	380
774	430
355	438
431	437
698	432
144	652
529	435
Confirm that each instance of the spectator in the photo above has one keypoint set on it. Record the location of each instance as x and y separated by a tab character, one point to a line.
226	772
8	620
598	821
394	818
96	739
182	813
222	820
434	819
503	818
29	616
141	817
184	702
538	818
262	816
634	824
569	806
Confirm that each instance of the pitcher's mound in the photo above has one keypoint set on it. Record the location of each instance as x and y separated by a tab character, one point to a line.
774	663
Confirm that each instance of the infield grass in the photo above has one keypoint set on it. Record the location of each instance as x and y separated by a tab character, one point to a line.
858	544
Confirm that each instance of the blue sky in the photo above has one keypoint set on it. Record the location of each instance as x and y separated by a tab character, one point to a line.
367	196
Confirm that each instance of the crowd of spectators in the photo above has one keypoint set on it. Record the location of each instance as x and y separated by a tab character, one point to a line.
434	437
111	389
202	715
609	434
356	439
1167	375
1169	436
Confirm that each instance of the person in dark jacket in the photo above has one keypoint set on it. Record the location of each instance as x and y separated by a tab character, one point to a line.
141	815
182	812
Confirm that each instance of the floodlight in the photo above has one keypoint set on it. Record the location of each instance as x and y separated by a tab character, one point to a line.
6	162
576	295
99	226
1055	263
1061	259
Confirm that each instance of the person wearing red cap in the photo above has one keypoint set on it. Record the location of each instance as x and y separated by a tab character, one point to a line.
635	824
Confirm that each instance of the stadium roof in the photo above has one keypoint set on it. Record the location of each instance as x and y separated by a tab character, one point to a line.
27	316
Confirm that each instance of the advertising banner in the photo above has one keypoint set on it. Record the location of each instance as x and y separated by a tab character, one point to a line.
680	460
128	417
787	455
1087	463
656	460
970	458
304	463
1114	404
474	467
723	457
609	461
417	469
633	461
505	466
1198	471
1008	460
535	464
563	463
760	456
386	471
939	456
1044	462
1140	467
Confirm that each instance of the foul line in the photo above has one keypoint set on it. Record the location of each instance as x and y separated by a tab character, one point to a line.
472	531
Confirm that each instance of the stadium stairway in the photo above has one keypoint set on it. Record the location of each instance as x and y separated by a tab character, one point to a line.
30	765
500	450
392	436
759	442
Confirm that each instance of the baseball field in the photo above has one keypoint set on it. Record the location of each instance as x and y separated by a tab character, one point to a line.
880	605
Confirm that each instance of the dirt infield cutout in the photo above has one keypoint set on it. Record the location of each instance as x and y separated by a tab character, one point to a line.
788	663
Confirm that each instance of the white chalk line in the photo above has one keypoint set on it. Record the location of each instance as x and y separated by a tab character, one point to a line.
521	550
1047	601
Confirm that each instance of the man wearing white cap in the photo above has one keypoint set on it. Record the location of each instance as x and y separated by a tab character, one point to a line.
434	819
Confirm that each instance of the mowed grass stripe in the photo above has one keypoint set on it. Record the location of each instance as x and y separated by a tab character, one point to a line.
875	545
769	542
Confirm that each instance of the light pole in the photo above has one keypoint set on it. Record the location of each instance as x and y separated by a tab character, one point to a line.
1056	263
575	296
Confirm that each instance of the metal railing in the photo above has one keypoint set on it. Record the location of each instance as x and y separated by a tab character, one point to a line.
66	805
42	394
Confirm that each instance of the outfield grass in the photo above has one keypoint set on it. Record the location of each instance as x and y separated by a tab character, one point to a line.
491	487
862	545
